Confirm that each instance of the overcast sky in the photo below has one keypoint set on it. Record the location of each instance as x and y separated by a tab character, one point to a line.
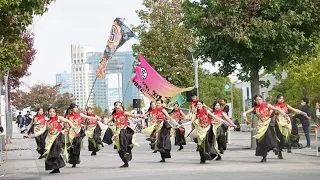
84	22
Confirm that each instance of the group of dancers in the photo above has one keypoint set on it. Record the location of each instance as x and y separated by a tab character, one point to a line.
59	139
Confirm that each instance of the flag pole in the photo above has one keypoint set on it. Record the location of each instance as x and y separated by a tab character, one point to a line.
94	82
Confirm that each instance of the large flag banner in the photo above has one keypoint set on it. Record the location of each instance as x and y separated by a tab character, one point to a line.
176	99
152	84
119	34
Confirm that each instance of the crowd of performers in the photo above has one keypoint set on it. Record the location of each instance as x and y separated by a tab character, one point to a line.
59	139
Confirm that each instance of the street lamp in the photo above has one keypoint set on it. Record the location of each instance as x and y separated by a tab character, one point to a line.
195	65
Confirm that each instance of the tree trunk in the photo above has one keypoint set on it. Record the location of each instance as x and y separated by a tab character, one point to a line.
255	89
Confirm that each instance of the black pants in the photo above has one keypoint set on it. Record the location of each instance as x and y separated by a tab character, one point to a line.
164	142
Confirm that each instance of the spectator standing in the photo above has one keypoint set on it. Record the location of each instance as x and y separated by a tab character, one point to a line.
305	120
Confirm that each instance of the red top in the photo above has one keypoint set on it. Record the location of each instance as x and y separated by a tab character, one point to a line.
39	119
92	121
202	116
75	119
120	119
219	113
282	106
53	125
263	112
160	116
177	114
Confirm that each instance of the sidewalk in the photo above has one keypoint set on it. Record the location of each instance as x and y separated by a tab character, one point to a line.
20	163
242	139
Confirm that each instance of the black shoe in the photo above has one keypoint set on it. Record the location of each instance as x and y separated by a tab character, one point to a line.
125	165
163	160
102	145
289	151
93	153
219	158
181	147
202	162
154	152
55	171
275	150
264	159
41	157
280	155
73	165
114	147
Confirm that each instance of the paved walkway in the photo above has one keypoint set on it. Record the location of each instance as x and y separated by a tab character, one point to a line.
238	163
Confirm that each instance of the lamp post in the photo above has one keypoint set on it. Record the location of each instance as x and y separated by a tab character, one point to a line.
195	65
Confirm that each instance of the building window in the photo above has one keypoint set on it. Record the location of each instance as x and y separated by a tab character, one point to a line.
77	70
74	61
81	55
81	60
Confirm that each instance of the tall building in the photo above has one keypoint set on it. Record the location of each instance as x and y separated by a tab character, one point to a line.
129	91
81	75
113	96
64	80
100	88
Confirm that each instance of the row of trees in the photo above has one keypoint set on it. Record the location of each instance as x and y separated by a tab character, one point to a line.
42	95
16	41
243	35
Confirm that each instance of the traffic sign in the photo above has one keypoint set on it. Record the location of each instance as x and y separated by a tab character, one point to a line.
227	87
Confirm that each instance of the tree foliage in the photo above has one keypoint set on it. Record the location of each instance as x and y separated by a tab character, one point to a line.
302	81
42	95
15	17
211	88
98	111
254	34
164	41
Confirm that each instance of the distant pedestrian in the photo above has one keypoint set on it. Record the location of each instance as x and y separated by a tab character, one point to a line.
224	107
305	120
1	129
19	119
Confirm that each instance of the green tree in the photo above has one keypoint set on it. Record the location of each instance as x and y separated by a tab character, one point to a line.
98	111
254	34
15	17
302	81
42	95
130	107
211	88
164	41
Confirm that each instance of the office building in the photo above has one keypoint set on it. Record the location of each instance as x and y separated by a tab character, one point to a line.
64	82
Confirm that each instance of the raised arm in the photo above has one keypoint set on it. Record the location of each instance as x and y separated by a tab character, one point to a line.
169	117
62	119
277	109
297	111
215	117
226	117
90	117
131	115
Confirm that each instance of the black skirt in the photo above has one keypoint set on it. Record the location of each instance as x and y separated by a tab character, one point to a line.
41	143
206	149
126	146
179	138
163	141
74	151
107	138
54	159
94	146
222	138
267	143
280	136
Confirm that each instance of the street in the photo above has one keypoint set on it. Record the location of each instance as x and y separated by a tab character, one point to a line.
237	163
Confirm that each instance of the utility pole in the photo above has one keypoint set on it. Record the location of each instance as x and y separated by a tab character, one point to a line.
8	114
